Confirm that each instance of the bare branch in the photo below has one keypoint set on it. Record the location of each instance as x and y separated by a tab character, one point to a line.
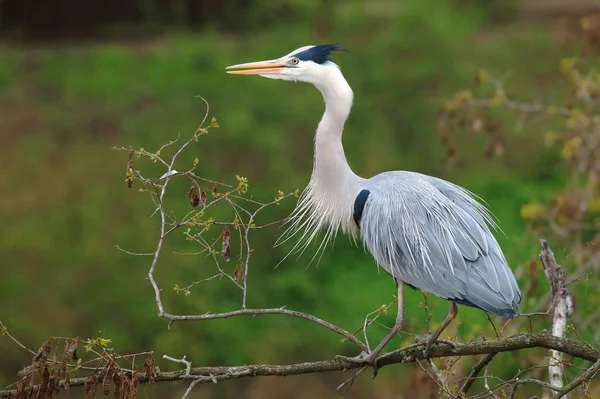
4	331
255	312
587	375
190	388
563	308
404	355
187	363
474	373
438	376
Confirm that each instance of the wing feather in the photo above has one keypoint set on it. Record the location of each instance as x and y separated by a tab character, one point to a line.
434	235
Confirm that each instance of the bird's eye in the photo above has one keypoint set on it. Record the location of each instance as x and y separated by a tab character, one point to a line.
295	61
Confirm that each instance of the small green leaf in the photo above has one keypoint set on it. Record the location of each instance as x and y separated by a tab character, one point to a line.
242	187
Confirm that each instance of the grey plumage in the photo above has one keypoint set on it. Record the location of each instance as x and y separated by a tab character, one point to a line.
433	235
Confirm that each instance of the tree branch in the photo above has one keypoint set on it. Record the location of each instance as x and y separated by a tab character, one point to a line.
201	375
563	308
587	375
255	312
4	331
474	373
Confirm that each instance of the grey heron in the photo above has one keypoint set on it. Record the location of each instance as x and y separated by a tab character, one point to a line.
426	232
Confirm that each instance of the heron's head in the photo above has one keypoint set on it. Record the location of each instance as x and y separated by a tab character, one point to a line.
306	64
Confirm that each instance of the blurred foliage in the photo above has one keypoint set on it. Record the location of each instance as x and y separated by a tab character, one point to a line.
66	204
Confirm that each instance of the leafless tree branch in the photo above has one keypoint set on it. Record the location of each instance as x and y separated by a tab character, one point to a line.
411	353
256	312
587	375
474	373
563	308
4	331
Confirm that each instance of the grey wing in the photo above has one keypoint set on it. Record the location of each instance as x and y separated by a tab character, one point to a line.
433	235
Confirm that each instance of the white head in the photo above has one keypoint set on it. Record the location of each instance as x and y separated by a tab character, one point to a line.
307	64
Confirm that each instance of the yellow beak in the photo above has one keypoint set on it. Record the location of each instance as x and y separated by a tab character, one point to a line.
257	68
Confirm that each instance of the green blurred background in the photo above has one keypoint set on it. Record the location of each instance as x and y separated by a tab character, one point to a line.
75	82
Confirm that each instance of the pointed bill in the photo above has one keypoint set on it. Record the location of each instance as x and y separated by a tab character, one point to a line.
257	68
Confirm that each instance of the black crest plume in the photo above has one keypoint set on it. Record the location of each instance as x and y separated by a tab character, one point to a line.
318	54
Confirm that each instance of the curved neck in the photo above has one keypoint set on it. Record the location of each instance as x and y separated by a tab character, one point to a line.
333	186
330	164
327	202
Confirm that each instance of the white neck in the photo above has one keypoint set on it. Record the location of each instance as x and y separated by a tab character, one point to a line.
333	184
327	202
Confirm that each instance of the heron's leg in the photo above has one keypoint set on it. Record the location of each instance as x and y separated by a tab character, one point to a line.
434	337
371	357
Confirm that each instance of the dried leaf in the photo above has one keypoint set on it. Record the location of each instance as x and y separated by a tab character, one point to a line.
118	381
45	378
149	368
43	352
226	248
90	382
70	350
194	195
107	380
203	197
67	381
30	388
51	385
20	387
135	381
238	269
129	391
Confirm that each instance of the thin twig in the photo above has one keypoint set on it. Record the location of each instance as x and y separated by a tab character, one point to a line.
486	384
255	312
190	388
4	331
350	381
134	253
474	373
187	363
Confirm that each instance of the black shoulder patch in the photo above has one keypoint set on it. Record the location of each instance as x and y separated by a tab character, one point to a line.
359	205
318	54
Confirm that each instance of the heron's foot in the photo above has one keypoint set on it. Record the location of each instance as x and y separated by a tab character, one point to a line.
429	339
364	358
